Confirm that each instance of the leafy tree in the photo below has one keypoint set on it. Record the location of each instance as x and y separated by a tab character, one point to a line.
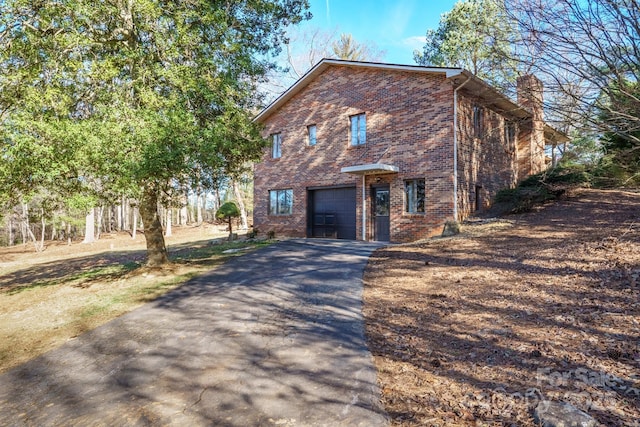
159	90
585	149
228	211
475	35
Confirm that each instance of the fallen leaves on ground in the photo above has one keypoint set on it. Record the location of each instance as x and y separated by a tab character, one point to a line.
476	329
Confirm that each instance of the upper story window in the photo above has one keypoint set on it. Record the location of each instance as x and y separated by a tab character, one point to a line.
510	134
477	121
358	129
276	146
311	135
281	202
414	196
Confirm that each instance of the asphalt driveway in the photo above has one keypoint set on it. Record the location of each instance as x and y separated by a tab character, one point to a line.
273	337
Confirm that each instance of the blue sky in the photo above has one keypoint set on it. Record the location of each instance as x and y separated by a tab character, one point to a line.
395	26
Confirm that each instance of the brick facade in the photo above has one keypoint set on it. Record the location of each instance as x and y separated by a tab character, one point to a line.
409	118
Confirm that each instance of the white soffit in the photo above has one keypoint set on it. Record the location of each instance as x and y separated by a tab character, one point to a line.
370	169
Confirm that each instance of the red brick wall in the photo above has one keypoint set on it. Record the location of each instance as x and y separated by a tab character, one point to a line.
531	143
486	162
409	125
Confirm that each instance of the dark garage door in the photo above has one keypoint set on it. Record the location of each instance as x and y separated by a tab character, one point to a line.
333	213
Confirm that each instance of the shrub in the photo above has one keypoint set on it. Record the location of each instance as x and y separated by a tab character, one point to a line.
543	187
575	175
228	211
609	173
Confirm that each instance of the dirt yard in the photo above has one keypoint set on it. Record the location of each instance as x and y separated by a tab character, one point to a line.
474	330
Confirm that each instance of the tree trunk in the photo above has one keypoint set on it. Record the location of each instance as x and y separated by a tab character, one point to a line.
243	212
190	211
125	213
199	207
100	218
168	228
24	229
184	211
134	226
32	237
204	206
109	221
11	236
89	227
156	249
218	201
44	226
69	233
230	229
119	221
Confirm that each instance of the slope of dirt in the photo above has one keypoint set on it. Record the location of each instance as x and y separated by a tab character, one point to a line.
475	330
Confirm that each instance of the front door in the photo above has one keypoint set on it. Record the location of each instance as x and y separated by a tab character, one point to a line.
381	214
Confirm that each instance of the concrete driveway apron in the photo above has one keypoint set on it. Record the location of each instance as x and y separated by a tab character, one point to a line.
273	337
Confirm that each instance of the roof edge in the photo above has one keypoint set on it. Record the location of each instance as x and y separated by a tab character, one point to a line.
450	73
327	62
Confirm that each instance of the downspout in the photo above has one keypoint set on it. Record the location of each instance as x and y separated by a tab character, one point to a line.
455	149
364	210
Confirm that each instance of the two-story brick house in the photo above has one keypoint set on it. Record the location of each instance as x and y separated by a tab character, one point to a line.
387	152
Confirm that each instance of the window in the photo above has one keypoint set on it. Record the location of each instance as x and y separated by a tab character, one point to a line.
358	129
311	134
414	196
280	202
510	134
477	121
276	146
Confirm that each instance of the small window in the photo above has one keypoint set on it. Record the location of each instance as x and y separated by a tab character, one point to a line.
358	129
510	134
477	121
280	202
311	135
414	196
276	145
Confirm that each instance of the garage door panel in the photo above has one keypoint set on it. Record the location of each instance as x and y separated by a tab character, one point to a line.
334	213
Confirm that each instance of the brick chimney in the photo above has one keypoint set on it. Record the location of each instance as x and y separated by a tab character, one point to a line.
531	156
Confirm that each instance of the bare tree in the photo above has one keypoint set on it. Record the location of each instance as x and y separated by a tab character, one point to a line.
346	47
588	54
306	47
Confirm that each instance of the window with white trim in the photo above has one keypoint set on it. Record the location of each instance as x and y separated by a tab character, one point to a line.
281	202
358	129
276	146
311	135
510	134
414	196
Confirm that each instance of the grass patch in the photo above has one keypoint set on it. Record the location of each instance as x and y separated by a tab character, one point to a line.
80	279
68	299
